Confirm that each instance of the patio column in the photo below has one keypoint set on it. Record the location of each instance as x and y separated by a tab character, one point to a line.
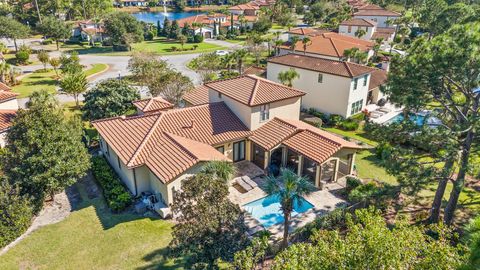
351	163
284	156
300	165
335	172
318	175
267	160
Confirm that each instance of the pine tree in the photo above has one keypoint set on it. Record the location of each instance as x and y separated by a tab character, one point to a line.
166	27
174	30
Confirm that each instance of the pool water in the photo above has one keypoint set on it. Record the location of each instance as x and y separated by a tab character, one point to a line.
267	210
418	119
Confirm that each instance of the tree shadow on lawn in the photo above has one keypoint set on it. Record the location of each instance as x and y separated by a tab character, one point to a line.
159	259
93	50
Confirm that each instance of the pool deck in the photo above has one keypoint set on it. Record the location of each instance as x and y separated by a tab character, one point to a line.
323	201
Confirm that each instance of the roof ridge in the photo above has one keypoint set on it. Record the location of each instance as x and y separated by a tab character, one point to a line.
254	92
145	140
348	68
123	117
272	82
149	103
333	44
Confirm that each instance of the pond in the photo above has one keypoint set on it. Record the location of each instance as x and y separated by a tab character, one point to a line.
153	17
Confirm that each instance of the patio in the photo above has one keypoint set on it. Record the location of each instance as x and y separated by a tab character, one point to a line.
323	201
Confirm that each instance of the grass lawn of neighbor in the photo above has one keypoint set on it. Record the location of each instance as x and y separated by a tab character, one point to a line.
160	46
96	68
93	238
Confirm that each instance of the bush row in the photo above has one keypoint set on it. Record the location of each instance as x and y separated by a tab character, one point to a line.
338	121
115	193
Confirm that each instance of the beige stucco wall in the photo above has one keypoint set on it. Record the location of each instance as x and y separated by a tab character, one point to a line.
9	105
288	109
242	111
334	95
343	29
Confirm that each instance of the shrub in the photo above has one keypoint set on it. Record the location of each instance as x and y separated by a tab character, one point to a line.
15	213
195	47
198	38
47	41
121	48
352	183
221	37
173	49
363	193
382	150
117	196
148	35
335	119
331	221
23	54
349	125
190	39
85	43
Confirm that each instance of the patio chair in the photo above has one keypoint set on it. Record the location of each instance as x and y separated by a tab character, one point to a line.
249	181
243	184
384	109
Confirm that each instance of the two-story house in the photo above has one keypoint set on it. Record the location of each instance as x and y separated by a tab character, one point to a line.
206	23
354	27
377	14
8	110
331	86
246	119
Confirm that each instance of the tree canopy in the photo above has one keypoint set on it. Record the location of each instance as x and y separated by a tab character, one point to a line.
109	98
123	29
12	29
54	28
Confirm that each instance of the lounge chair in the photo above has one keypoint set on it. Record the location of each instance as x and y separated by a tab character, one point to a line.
384	109
249	181
376	114
243	184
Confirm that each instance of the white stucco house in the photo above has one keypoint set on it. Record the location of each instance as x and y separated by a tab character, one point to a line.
377	14
332	87
372	32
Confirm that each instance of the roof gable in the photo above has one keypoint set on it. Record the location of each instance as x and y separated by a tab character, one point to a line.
152	104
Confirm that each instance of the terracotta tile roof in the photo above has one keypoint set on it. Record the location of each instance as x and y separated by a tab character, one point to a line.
197	96
359	22
305	31
6	94
252	90
369	6
331	44
6	118
383	32
312	142
171	141
247	6
152	104
208	20
253	70
339	68
378	77
377	12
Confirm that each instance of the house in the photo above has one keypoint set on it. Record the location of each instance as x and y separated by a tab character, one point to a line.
89	30
372	32
206	23
332	87
247	119
8	110
248	9
377	14
132	3
324	44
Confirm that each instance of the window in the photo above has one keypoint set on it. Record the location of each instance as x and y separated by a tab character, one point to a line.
365	77
264	112
320	78
221	149
356	107
355	83
349	29
119	164
219	95
366	29
238	151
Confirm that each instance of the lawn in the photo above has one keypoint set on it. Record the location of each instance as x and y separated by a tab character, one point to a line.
46	80
93	238
160	46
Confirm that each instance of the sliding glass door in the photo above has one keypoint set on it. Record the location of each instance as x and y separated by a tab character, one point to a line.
238	151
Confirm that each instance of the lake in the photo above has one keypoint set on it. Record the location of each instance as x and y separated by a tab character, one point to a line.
153	17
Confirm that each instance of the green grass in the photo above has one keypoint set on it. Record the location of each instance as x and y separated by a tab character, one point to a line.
46	80
159	46
359	135
35	82
93	238
96	68
368	167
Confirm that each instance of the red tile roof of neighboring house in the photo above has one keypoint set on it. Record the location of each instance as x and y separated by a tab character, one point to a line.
247	6
153	104
331	44
252	90
359	22
208	20
377	12
383	32
197	96
305	31
369	6
339	68
5	93
301	137
6	118
377	77
169	142
254	70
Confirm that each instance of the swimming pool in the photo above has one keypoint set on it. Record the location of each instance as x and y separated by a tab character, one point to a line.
416	118
267	209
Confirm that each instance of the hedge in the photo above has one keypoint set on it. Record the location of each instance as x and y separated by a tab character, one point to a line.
116	194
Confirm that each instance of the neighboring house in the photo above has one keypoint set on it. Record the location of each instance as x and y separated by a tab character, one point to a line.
378	79
323	44
377	14
206	23
152	105
132	3
333	87
8	110
89	30
247	118
372	32
247	9
254	70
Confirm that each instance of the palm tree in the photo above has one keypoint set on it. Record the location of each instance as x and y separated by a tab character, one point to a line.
4	70
287	77
74	84
240	56
293	42
228	61
290	188
349	53
182	39
278	43
360	33
305	41
221	169
361	57
55	63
